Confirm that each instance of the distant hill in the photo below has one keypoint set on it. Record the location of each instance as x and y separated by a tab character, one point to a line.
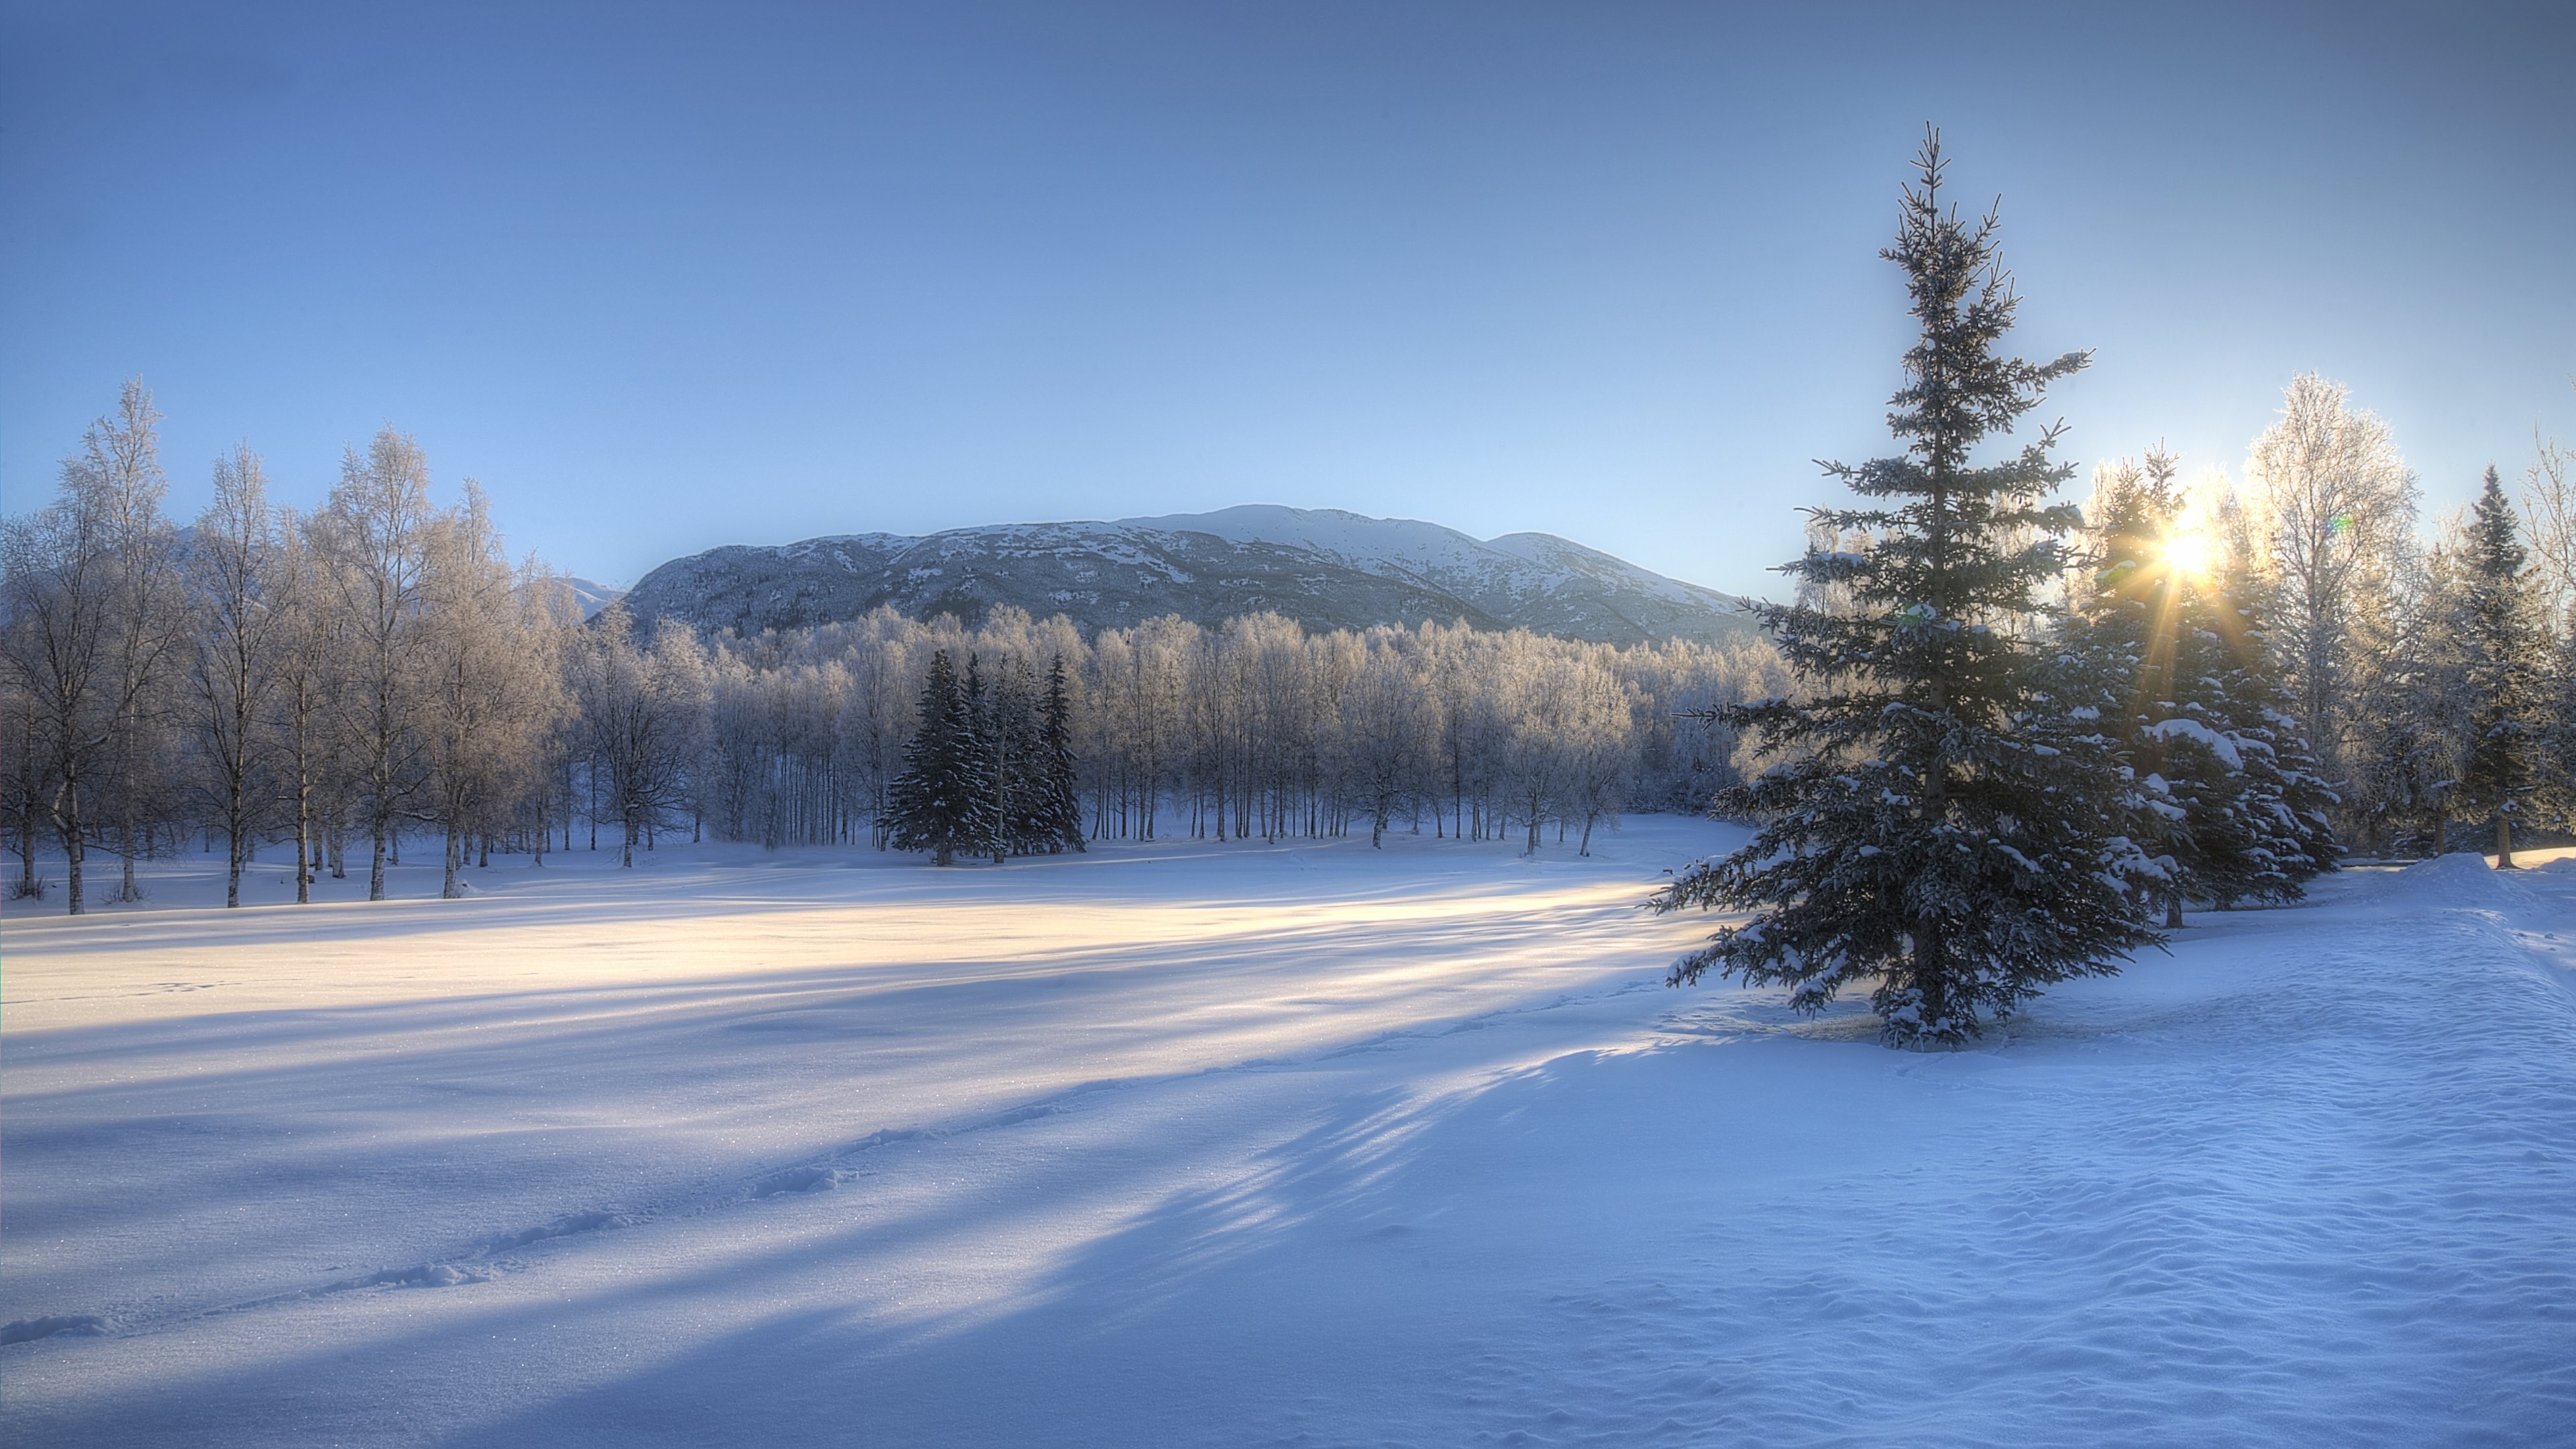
593	596
1322	567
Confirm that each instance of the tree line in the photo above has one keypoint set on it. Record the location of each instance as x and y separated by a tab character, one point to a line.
375	671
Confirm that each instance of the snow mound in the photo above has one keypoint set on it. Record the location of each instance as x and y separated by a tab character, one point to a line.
2461	879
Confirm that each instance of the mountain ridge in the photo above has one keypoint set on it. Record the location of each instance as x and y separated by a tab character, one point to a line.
1326	568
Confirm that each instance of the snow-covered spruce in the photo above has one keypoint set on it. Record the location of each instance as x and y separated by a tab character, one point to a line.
989	771
2229	805
1938	816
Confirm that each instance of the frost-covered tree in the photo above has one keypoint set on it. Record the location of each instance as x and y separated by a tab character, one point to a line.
490	683
2335	508
1381	729
644	720
374	534
1933	819
231	572
94	622
308	666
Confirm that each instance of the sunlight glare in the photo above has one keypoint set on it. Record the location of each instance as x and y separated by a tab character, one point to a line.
2188	553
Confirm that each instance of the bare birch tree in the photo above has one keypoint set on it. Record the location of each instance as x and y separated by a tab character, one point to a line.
231	575
489	685
375	534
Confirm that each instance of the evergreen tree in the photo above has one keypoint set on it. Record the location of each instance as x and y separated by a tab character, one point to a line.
1939	817
1059	816
2277	832
937	803
2123	648
1018	767
2501	646
2236	621
992	770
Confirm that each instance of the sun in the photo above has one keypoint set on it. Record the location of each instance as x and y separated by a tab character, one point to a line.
2188	553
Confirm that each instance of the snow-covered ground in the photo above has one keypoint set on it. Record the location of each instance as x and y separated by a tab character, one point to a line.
1246	1145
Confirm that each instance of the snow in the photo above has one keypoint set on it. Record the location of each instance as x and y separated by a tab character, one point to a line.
2209	739
1196	1144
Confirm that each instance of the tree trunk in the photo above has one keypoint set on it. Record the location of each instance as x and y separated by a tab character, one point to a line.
235	812
2173	910
376	864
626	859
455	857
125	799
75	847
304	852
2504	839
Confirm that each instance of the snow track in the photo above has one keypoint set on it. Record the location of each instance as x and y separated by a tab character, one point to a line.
1184	1146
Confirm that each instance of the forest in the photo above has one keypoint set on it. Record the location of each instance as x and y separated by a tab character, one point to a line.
378	672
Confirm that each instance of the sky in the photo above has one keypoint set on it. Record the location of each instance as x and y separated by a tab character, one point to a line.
663	278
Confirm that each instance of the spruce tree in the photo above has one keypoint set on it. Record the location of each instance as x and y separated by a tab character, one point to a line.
1018	767
992	771
937	802
1059	822
1940	817
2501	646
2230	802
2275	832
2120	649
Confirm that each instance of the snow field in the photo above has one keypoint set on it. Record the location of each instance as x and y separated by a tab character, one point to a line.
1195	1144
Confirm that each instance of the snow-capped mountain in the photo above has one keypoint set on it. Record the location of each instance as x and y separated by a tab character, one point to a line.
1323	567
592	595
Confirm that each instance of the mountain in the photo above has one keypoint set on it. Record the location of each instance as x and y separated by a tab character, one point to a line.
591	595
1323	567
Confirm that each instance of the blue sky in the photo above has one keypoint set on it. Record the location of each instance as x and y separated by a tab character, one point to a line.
663	278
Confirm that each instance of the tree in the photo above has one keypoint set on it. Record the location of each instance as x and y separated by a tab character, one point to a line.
231	570
92	621
1011	763
1381	726
306	666
939	800
2167	652
374	536
2335	505
2501	642
1059	822
1934	817
490	686
644	712
2549	507
60	644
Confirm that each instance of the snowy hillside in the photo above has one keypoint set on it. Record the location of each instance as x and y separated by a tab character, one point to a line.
1324	567
592	595
1186	1145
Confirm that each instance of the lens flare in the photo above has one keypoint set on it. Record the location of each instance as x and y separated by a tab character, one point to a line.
2188	553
